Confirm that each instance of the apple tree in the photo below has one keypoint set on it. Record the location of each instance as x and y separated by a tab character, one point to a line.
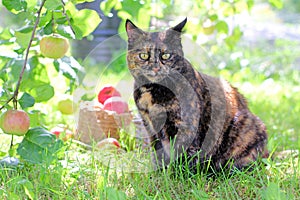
30	56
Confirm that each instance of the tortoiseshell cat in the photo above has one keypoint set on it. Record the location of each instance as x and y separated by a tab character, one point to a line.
189	114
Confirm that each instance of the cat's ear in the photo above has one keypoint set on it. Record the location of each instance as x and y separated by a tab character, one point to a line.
179	26
131	29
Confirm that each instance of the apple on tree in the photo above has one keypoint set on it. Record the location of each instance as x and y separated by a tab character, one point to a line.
107	92
15	122
54	46
116	104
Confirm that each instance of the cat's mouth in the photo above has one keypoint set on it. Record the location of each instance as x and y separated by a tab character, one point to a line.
155	76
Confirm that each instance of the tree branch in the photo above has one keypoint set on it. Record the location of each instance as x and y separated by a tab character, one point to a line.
67	17
14	98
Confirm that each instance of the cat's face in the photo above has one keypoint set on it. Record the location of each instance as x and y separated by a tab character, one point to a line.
153	55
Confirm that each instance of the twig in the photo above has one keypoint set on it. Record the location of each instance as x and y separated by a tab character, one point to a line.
14	98
67	17
6	102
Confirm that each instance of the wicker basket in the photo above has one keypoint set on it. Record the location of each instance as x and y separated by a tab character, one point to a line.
95	124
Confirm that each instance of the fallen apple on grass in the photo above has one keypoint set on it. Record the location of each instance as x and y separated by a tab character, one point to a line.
15	122
54	46
62	133
116	104
107	92
108	143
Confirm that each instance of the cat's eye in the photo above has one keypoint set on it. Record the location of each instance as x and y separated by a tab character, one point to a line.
144	56
165	56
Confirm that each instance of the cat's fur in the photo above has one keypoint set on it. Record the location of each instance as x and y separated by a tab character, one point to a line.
187	113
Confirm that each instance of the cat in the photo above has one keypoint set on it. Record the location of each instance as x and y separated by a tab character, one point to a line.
187	114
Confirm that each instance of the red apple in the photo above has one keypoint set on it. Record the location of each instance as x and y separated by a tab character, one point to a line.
107	92
15	122
66	106
116	104
108	142
62	133
54	46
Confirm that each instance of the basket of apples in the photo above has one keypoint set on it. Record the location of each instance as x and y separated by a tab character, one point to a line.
103	118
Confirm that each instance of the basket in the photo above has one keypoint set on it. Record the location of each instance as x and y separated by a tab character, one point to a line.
95	124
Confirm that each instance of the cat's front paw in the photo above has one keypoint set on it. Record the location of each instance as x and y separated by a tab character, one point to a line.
158	116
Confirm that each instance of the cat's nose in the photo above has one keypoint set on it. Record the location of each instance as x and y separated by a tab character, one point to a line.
156	69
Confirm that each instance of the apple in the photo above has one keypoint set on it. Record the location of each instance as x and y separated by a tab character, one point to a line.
116	104
62	133
54	46
15	122
66	106
108	142
107	92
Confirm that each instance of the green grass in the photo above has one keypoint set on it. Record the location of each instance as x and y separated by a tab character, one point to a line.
82	174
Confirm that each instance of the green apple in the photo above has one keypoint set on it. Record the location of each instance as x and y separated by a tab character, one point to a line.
66	106
15	122
54	46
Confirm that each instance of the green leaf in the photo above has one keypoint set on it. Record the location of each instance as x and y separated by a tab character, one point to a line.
213	17
133	7
234	37
42	92
60	18
167	2
3	73
106	6
85	22
222	27
38	71
23	38
53	4
45	18
66	69
26	29
31	3
16	66
70	68
37	118
15	6
6	34
65	31
36	75
48	29
276	3
26	101
39	146
250	4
